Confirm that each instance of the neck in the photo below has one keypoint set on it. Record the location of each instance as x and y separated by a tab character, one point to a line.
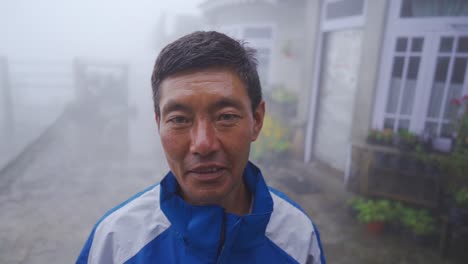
238	202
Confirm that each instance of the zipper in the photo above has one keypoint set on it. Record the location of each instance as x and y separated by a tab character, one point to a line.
221	239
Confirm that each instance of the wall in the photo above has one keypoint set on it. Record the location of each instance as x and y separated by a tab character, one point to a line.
374	30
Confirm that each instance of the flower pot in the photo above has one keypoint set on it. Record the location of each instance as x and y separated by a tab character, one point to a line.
375	228
441	144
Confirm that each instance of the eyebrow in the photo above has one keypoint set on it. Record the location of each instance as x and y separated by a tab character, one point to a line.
172	106
225	102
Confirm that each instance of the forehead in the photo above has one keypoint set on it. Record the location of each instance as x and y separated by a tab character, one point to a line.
202	84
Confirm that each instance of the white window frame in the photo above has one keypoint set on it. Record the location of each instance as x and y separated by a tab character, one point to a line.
327	25
432	28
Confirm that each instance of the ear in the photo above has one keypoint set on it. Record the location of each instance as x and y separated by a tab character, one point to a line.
258	116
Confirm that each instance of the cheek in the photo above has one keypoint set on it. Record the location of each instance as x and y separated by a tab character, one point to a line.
173	145
238	144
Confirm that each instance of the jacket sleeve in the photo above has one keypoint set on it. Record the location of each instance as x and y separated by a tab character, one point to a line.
83	257
316	255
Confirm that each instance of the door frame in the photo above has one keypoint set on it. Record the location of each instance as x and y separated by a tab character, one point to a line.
325	26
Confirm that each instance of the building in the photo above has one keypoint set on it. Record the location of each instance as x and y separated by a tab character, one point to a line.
354	65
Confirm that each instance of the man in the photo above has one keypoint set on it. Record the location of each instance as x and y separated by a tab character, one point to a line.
213	206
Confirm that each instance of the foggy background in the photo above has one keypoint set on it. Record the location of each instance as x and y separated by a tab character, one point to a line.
353	89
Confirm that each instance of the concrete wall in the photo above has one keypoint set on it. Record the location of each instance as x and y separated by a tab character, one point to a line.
311	33
374	32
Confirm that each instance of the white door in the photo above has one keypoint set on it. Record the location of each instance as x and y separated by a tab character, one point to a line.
339	71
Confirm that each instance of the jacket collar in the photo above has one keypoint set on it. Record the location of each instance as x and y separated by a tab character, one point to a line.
200	226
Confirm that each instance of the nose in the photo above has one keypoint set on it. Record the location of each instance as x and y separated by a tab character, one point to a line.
203	139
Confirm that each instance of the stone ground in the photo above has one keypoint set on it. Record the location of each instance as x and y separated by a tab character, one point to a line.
53	194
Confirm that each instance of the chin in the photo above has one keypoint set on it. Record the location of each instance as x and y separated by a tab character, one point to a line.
207	198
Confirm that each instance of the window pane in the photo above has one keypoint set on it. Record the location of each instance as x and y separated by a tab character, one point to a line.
401	44
459	70
447	130
408	97
403	124
417	44
437	92
431	8
394	93
388	123
344	8
462	44
397	71
431	128
395	85
413	68
455	88
446	45
410	86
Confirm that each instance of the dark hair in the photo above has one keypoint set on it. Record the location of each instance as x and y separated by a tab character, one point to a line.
207	49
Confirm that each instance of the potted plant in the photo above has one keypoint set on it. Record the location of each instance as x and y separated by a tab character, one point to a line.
459	210
373	137
373	213
406	141
387	137
419	222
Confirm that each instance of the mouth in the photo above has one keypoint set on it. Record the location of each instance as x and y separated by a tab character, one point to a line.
207	172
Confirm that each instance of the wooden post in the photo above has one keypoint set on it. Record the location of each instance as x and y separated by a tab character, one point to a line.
6	102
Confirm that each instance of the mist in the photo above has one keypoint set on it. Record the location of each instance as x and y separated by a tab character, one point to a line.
366	117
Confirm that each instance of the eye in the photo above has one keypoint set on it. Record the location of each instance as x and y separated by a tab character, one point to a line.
179	121
228	119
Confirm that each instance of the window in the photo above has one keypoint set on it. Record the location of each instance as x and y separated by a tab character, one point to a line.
433	8
342	14
344	8
424	66
447	84
402	88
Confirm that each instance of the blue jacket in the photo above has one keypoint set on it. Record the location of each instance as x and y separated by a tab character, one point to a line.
157	226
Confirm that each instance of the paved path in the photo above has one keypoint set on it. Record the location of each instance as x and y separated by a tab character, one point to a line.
53	195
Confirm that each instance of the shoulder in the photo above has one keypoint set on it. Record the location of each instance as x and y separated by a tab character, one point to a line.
291	229
120	234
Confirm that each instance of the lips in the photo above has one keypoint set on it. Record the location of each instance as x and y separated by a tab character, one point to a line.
207	172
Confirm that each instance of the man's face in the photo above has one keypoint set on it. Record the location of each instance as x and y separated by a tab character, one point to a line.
206	127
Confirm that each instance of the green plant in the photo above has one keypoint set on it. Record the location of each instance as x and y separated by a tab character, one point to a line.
282	95
387	136
406	139
460	122
373	210
461	197
273	138
373	136
419	221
